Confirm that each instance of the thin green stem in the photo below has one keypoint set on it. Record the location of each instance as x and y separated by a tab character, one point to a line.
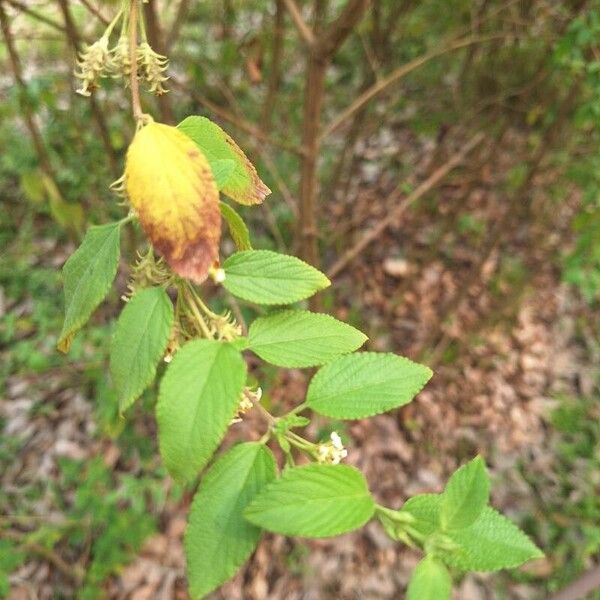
143	26
201	303
298	408
108	31
130	217
266	414
199	319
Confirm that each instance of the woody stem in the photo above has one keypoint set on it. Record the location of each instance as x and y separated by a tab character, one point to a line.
136	103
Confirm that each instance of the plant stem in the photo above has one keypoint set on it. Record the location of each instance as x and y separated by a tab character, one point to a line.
136	103
265	413
198	317
298	409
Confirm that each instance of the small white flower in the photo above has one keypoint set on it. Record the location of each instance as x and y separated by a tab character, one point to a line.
94	62
333	451
121	62
153	66
247	400
218	275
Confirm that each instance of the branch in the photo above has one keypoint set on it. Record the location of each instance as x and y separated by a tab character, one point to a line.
35	15
74	572
235	120
180	16
95	12
375	232
398	74
304	30
134	83
581	587
74	37
341	28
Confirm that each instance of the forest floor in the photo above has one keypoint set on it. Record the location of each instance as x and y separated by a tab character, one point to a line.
510	347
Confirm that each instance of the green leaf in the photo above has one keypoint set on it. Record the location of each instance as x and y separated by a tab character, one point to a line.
88	275
430	581
299	338
243	185
218	540
365	384
237	228
491	543
313	501
198	397
139	342
222	170
425	508
467	493
266	277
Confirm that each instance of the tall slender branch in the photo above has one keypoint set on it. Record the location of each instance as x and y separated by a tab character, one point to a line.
36	15
156	39
95	12
275	70
398	74
136	103
28	115
342	27
304	30
74	38
426	186
317	64
182	11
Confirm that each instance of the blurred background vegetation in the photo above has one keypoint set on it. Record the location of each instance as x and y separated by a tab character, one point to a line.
441	163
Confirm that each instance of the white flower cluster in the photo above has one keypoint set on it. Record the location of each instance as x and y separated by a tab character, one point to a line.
98	60
333	451
247	400
94	62
152	67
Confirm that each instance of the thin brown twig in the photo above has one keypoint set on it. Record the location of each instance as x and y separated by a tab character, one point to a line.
381	85
275	67
156	40
136	103
317	64
337	33
182	11
73	572
74	37
35	15
95	11
306	33
235	120
426	186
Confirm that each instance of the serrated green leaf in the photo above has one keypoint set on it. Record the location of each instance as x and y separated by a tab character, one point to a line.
365	384
491	543
88	275
299	338
218	539
425	508
222	170
430	581
467	493
139	342
267	277
198	397
313	501
243	185
237	228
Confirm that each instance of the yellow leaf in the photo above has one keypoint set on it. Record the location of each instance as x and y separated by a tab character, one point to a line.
171	187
